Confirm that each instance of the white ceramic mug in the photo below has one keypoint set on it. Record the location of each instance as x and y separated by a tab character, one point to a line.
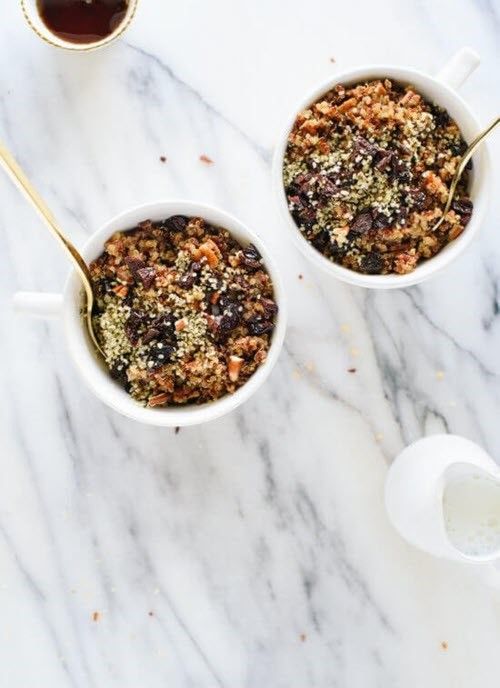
32	15
415	487
94	372
440	89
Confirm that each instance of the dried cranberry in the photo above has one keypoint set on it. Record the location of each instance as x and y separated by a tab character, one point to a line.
270	308
362	223
118	372
372	263
458	148
231	316
417	198
135	264
364	147
326	187
381	221
147	276
102	287
165	323
385	161
251	258
441	117
175	223
158	355
189	278
150	334
258	326
463	207
321	240
133	325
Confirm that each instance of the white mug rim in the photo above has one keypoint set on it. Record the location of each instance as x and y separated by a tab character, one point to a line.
115	396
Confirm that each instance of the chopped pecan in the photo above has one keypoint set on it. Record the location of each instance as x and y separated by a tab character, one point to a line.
234	367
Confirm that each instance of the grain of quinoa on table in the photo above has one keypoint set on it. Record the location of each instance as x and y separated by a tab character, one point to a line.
367	171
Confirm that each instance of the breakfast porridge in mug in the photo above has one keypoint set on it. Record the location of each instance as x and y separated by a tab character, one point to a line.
367	172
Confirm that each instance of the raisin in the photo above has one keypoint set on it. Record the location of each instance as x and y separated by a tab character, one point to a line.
463	207
372	263
362	223
159	354
118	372
417	199
363	147
135	264
381	221
441	117
321	240
165	324
147	276
326	187
150	334
257	326
270	308
133	326
189	278
385	161
231	316
175	223
251	258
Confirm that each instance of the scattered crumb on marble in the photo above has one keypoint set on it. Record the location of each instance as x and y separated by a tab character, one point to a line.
303	637
310	367
439	374
379	436
332	59
206	160
345	328
444	645
163	158
351	370
150	613
301	276
354	352
96	616
177	429
296	374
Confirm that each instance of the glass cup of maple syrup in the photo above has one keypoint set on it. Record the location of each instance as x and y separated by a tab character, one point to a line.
79	25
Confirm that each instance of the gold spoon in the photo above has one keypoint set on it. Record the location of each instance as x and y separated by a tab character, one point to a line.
461	167
24	185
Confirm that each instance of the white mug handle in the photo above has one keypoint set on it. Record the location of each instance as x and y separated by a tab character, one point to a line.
38	304
459	68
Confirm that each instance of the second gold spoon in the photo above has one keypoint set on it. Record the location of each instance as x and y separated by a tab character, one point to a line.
461	168
14	171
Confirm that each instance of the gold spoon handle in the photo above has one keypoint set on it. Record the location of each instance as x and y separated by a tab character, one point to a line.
22	182
463	164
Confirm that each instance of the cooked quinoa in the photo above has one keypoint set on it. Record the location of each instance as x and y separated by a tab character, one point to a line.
367	171
184	313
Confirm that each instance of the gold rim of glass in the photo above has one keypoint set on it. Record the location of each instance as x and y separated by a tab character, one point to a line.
82	47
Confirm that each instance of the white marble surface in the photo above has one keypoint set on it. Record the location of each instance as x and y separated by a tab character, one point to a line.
259	543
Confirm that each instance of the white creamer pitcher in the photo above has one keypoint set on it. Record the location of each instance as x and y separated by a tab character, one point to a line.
442	494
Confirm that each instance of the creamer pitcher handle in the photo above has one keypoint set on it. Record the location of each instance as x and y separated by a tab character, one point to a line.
459	68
